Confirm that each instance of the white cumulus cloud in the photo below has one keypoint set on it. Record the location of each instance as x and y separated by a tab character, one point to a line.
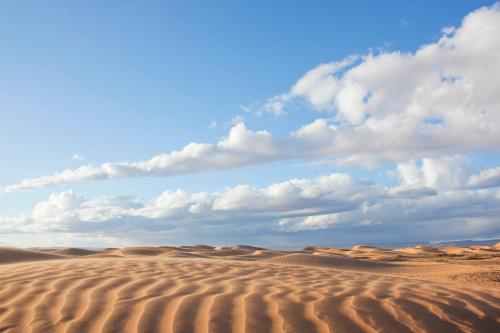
393	104
335	201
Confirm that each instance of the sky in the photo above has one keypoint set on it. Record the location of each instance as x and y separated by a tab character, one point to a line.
273	123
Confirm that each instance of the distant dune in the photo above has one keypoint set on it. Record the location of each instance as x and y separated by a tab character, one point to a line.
243	288
75	252
10	255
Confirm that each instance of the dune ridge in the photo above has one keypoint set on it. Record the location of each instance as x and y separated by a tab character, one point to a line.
246	289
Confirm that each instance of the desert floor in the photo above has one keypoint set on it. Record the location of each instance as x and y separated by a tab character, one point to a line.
247	289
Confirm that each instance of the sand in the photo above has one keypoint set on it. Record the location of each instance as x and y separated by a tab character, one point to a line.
248	289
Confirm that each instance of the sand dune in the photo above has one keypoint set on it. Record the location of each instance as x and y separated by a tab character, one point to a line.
248	289
420	249
457	250
75	252
10	255
327	261
143	251
197	247
246	247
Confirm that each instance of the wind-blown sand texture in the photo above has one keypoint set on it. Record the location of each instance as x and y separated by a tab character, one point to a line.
246	289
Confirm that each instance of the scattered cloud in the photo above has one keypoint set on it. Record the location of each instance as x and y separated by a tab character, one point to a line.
213	124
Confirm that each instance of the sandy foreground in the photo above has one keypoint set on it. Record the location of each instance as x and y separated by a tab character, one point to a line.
247	289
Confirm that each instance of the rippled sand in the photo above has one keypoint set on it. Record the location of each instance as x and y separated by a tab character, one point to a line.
246	289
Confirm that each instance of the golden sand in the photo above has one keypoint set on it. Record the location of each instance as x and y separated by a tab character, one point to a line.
247	289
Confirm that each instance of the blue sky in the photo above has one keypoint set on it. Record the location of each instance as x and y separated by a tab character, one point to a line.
127	81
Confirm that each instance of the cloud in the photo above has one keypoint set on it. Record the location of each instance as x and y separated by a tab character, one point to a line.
447	172
485	179
443	173
241	147
86	172
213	124
275	105
78	157
442	97
474	212
235	121
68	210
62	209
387	107
337	202
319	84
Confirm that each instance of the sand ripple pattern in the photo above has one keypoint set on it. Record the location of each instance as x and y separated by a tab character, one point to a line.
162	294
